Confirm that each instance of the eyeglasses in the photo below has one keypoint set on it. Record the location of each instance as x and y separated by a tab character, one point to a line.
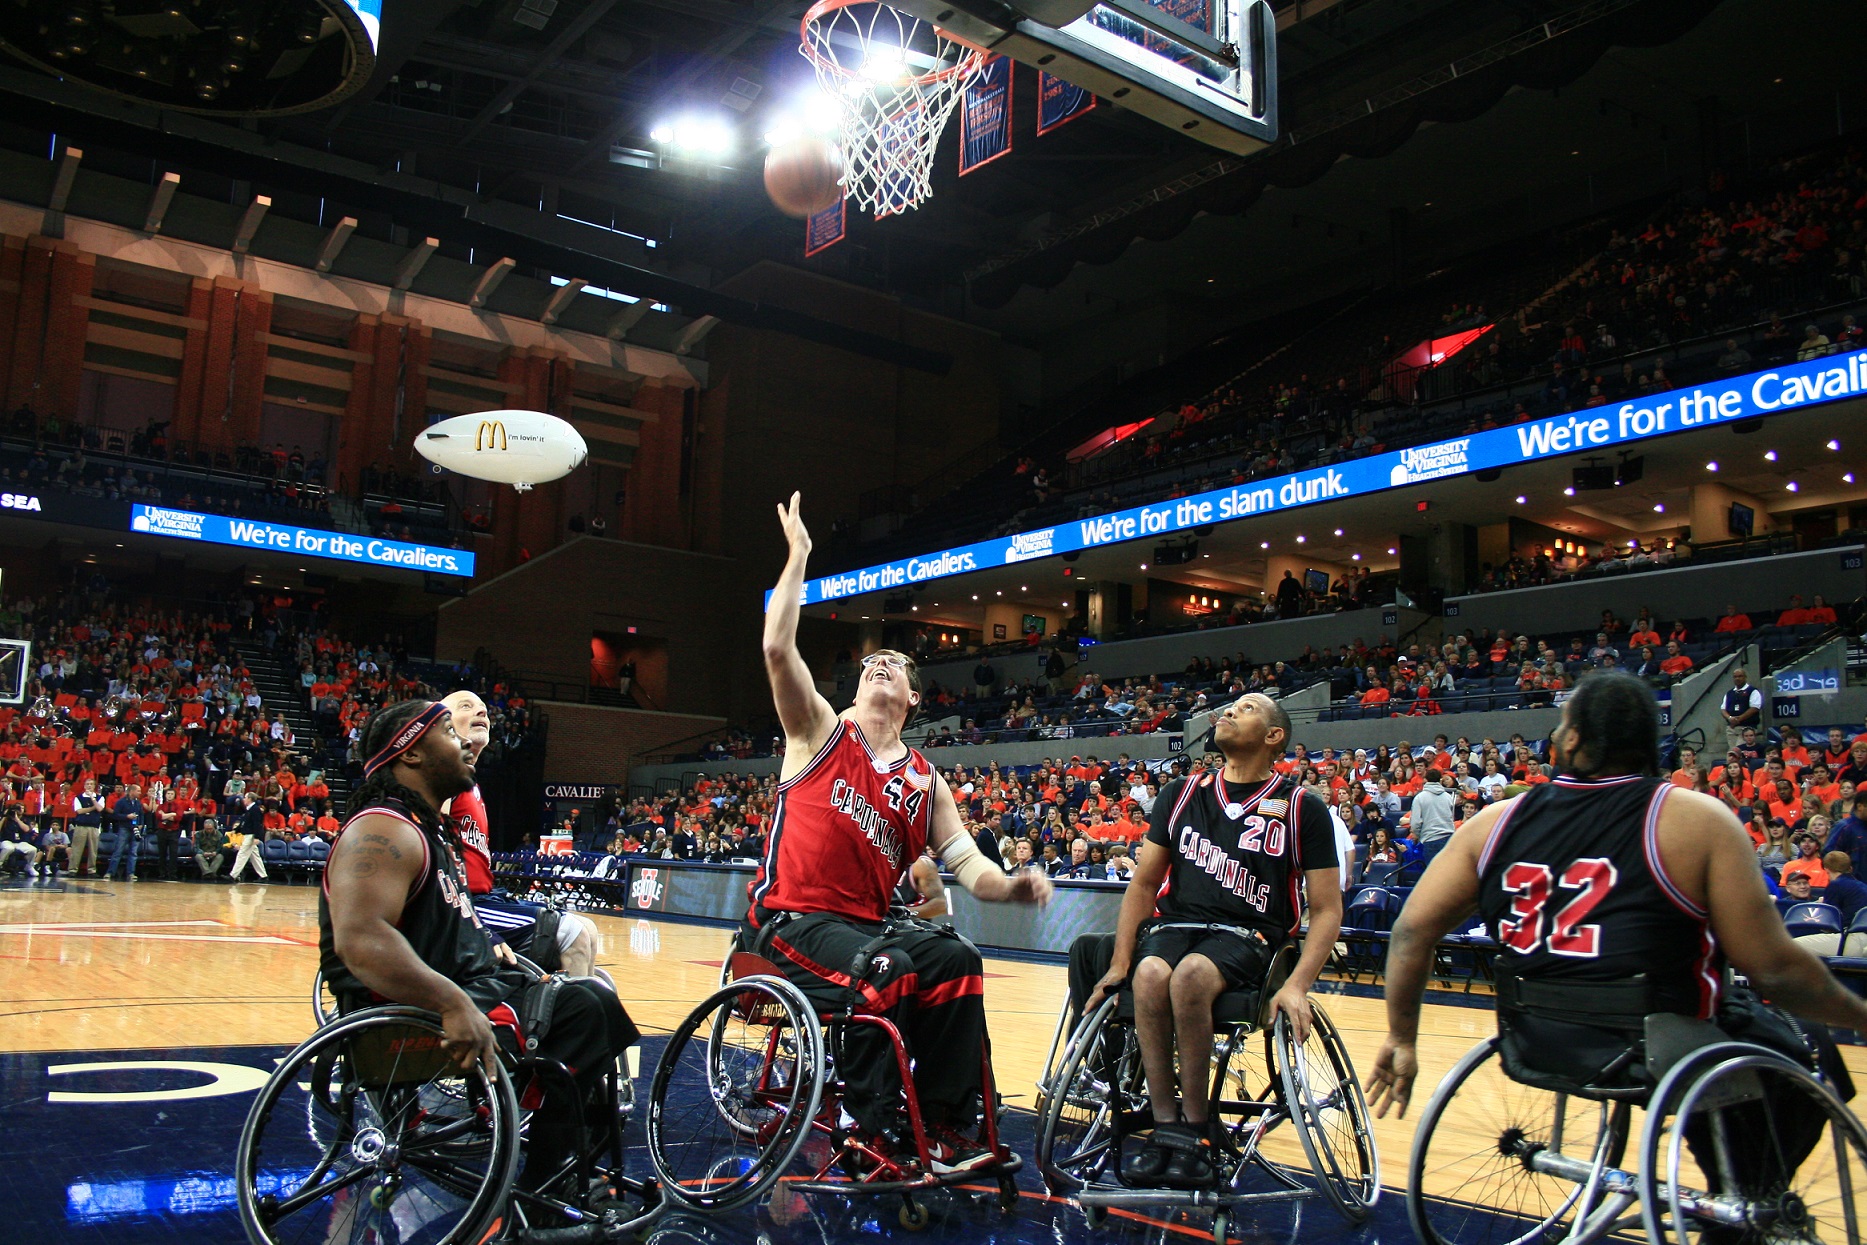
887	659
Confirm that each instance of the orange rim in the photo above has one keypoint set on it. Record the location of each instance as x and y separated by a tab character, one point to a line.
975	55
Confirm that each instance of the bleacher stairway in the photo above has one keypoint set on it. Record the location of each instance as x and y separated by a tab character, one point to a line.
279	692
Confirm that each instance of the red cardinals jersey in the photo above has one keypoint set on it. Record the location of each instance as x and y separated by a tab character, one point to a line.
467	815
844	831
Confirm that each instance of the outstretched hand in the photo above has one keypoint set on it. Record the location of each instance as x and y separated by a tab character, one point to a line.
791	518
1390	1082
1031	886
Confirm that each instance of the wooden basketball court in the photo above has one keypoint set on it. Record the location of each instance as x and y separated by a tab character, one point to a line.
164	972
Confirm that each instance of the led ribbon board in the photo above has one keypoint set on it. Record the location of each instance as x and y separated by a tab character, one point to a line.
304	542
1594	429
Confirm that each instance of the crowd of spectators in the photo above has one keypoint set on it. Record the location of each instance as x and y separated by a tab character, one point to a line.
1794	236
147	719
1083	817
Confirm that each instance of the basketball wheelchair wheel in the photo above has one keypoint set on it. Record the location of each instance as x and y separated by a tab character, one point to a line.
735	1093
1324	1100
1099	1081
1743	1144
1468	1182
368	1131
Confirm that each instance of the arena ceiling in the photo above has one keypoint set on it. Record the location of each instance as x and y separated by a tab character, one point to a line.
537	105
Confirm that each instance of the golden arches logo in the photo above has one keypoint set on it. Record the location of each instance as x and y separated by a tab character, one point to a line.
491	434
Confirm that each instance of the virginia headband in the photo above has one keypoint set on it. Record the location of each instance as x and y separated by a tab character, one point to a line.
407	737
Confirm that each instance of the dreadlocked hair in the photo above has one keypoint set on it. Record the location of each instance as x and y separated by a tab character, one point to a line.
380	786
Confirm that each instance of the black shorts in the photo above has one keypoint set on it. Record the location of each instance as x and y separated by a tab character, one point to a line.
1241	958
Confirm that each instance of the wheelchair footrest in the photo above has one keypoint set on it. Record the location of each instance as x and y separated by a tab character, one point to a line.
1208	1199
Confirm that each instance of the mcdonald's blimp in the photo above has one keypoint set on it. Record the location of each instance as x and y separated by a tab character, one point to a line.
520	448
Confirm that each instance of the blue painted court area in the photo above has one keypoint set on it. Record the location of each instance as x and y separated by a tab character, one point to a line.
136	1147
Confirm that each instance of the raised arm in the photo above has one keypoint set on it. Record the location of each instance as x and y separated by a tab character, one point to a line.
806	716
371	869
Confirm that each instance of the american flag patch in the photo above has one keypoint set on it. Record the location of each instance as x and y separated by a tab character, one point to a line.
1274	808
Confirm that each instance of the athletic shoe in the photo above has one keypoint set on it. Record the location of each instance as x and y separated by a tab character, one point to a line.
1190	1157
950	1152
1143	1168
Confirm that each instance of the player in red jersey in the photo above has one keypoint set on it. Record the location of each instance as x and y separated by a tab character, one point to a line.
570	941
856	807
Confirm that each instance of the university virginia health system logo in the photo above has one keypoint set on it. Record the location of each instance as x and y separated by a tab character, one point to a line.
1429	462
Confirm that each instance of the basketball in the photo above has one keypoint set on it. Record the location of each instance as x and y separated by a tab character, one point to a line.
802	177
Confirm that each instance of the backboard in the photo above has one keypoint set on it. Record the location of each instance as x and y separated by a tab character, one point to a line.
1207	68
15	671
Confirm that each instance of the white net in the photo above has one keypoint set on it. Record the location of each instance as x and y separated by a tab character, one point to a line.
895	79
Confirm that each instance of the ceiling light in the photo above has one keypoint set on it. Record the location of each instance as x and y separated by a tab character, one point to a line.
1301	538
1712	466
885	63
975	596
1000	594
1205	555
1338	531
1834	445
1791	486
1354	557
865	618
915	608
1568	492
1393	551
1024	587
1520	501
663	133
1769	456
1659	507
1144	566
1848	478
1264	544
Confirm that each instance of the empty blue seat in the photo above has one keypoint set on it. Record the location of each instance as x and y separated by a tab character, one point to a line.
1812	918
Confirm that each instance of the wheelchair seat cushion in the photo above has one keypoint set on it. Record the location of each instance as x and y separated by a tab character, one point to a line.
1234	1007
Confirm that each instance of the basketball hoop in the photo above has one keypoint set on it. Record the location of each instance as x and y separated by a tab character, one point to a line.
895	80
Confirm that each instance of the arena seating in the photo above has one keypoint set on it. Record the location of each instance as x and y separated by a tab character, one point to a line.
179	699
1644	302
276	485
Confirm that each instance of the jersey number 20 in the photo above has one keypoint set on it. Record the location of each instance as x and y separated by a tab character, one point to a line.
1530	883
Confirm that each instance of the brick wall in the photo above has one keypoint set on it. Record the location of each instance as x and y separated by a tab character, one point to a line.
594	744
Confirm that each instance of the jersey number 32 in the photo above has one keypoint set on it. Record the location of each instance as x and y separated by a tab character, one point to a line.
1529	881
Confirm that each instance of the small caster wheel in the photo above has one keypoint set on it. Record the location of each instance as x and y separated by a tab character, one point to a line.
913	1215
1095	1216
1007	1194
1221	1222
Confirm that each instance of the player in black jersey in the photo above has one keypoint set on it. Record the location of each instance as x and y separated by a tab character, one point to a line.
1217	890
1610	875
396	924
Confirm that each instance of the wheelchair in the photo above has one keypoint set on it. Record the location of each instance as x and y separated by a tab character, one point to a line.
1094	1098
1539	1157
747	1089
368	1132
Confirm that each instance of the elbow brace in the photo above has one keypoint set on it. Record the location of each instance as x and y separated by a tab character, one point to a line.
968	866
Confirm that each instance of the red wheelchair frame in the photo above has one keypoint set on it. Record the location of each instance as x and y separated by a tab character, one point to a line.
885	1173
